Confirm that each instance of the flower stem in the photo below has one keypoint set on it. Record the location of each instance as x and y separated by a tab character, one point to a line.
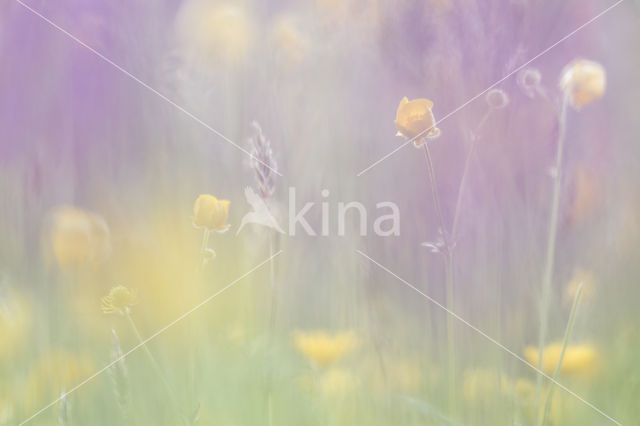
448	254
205	245
551	243
465	173
156	367
565	341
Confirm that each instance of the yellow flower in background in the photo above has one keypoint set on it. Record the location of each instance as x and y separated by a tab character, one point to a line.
119	300
323	348
214	32
579	360
414	119
53	373
583	82
15	322
481	385
211	213
78	237
288	43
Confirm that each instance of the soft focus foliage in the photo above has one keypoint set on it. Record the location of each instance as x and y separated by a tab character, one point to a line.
117	130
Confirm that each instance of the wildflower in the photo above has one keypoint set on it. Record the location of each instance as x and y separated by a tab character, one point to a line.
482	385
414	120
579	360
496	98
529	81
211	213
583	82
322	348
78	237
119	300
215	33
289	44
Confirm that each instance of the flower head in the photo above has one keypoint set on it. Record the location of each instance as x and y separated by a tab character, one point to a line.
119	300
322	348
579	360
218	33
211	213
414	119
496	99
583	82
78	237
529	81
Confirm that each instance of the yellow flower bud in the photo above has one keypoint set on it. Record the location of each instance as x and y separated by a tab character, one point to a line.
583	82
414	119
211	213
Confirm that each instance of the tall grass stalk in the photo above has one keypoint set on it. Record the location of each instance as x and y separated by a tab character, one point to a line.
157	368
465	173
120	379
565	342
551	243
448	255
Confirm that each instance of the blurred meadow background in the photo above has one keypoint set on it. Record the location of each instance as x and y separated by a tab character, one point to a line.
120	211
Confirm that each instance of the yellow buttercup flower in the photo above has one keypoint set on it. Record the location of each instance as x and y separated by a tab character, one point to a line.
414	119
119	300
583	82
322	348
211	213
78	237
579	360
219	33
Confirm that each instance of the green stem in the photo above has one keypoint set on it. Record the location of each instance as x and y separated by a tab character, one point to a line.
551	244
156	367
205	245
448	279
565	341
465	173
